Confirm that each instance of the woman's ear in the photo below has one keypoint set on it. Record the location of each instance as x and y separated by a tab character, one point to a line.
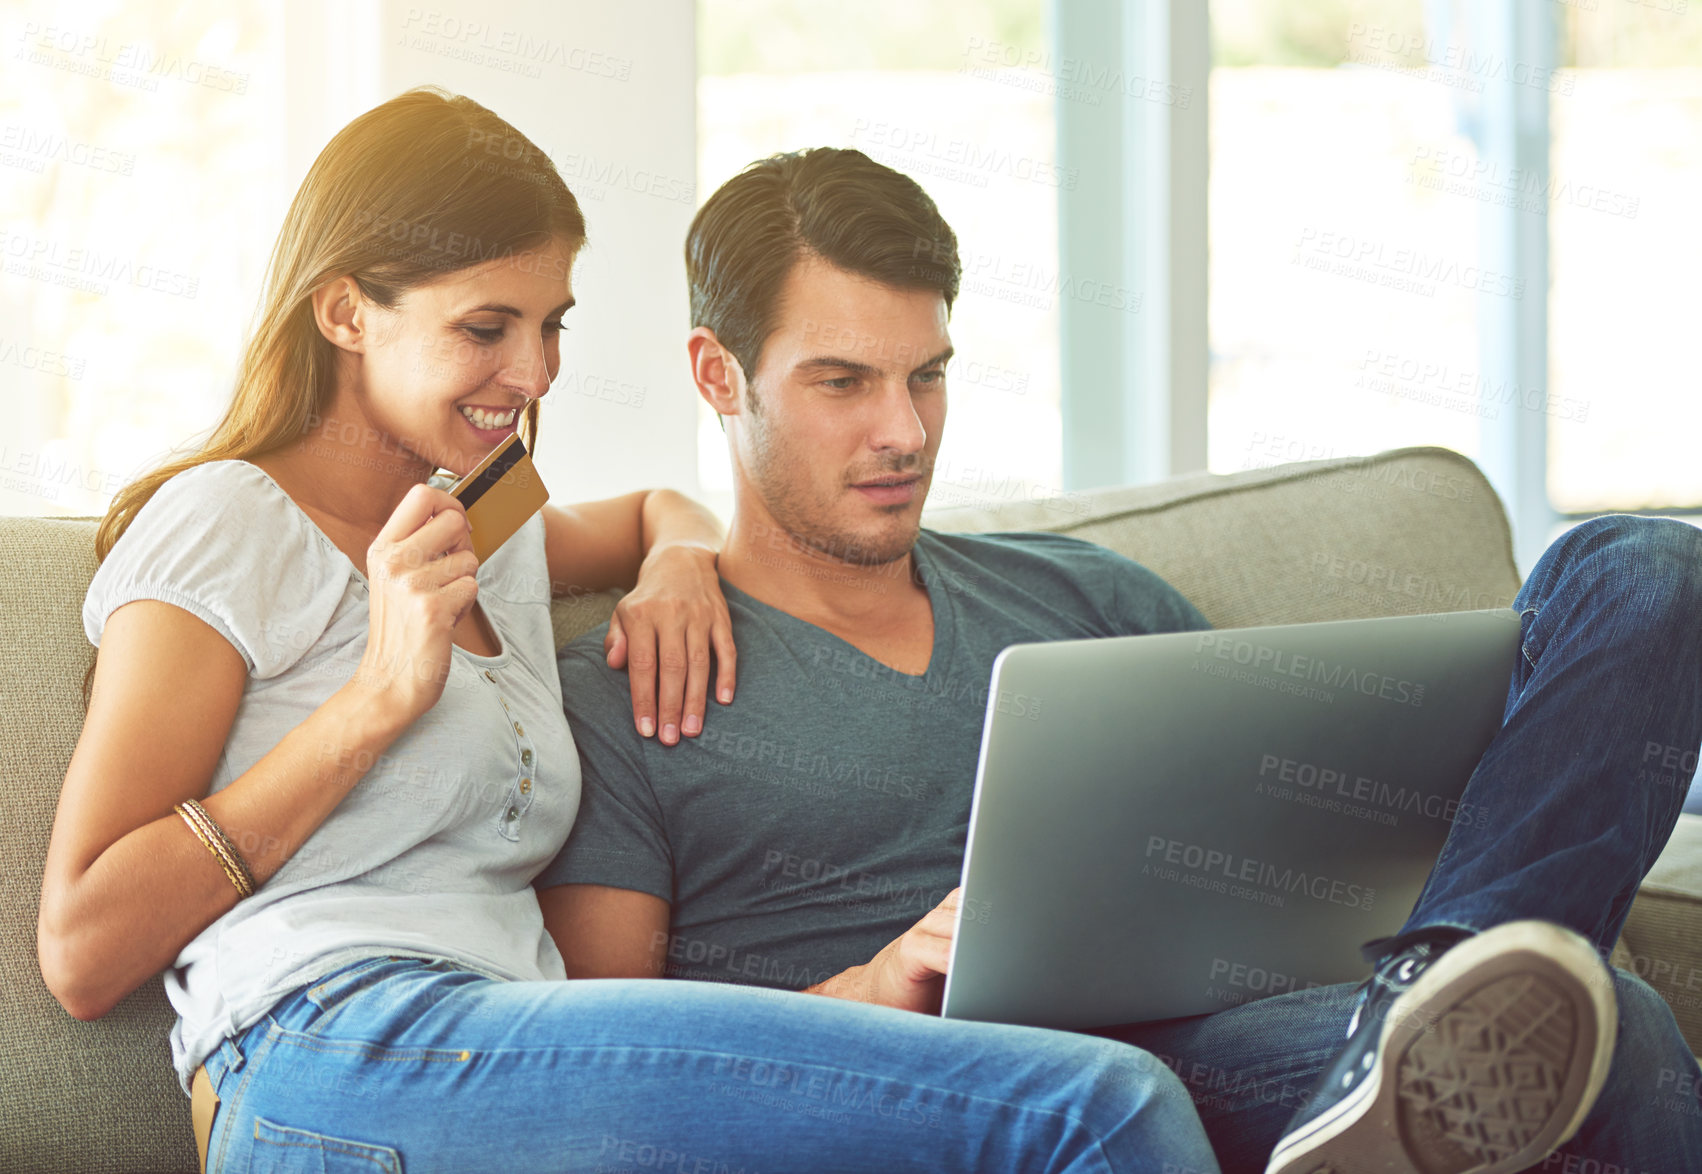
720	380
339	312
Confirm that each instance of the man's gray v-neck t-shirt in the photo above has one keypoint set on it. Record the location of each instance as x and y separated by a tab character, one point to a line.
825	811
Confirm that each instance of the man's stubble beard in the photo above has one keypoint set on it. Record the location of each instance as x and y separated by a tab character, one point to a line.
782	479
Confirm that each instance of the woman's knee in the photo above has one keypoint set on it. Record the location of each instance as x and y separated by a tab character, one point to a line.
1132	1093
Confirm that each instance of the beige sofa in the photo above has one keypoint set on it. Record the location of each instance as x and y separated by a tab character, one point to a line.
1413	530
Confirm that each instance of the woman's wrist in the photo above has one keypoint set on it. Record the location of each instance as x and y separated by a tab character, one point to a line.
689	551
672	521
370	717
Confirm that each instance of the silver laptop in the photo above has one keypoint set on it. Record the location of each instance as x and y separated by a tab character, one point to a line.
1173	824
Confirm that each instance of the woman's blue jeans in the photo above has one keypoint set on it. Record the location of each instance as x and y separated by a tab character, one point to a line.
1582	792
395	1064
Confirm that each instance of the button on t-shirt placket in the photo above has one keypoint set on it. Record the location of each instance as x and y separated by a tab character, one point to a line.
519	799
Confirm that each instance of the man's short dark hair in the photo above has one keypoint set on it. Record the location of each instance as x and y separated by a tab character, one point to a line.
836	203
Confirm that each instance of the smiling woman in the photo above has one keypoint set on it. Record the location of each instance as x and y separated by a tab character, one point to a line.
370	228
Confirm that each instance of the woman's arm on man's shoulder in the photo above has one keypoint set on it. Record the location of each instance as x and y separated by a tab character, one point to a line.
661	546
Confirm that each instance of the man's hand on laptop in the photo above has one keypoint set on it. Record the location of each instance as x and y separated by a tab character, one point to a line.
910	972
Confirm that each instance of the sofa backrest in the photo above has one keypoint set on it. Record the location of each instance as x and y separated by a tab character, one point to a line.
1413	530
1406	531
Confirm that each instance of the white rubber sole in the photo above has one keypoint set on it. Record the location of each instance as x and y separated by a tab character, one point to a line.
1488	1064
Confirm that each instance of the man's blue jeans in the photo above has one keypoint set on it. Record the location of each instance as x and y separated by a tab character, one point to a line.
1606	694
395	1063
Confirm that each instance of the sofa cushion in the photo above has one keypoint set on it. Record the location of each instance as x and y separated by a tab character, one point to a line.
95	1096
1662	941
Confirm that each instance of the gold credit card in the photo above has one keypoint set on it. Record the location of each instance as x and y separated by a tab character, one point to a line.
500	494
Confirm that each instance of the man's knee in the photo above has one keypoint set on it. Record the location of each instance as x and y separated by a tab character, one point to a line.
1663	538
1663	556
1650	544
1658	559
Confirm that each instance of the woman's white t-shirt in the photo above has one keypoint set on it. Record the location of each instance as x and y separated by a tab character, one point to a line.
432	851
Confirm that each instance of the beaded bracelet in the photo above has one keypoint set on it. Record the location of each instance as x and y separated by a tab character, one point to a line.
219	844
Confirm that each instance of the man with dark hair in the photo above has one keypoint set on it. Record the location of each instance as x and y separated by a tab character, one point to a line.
812	836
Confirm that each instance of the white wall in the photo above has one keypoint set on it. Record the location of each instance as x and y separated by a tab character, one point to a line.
608	91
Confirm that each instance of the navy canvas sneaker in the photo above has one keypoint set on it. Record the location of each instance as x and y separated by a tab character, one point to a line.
1480	1055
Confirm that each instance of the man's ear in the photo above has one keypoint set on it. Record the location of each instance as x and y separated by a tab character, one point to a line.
339	312
719	378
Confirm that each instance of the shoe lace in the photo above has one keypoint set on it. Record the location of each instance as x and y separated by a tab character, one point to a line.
1395	973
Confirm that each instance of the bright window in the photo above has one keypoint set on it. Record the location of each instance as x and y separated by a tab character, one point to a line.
139	146
1343	286
1345	203
1626	245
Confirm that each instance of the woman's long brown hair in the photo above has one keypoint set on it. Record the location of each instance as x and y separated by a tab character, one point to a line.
414	189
